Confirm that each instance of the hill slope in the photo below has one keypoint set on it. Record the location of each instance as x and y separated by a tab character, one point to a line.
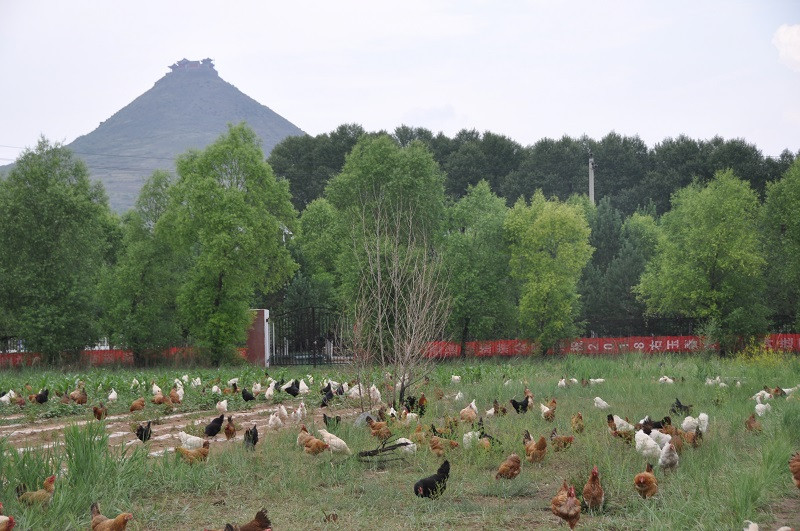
187	108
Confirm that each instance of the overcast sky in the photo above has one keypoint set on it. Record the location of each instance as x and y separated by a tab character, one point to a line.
527	70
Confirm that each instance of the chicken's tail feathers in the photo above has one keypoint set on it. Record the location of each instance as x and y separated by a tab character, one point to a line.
21	489
444	470
263	519
526	437
95	509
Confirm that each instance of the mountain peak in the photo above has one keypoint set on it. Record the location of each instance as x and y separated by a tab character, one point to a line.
188	108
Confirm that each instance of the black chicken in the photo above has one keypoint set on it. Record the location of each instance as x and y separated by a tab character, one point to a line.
433	486
251	438
520	407
327	389
331	422
42	397
680	409
294	389
340	389
325	399
247	396
143	432
214	426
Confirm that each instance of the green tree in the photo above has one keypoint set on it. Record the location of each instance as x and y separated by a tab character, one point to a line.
476	256
549	249
229	215
708	262
54	242
781	229
556	167
141	289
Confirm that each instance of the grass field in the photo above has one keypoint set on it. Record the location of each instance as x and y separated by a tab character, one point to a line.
734	475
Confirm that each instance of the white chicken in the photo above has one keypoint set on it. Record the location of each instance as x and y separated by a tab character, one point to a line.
647	446
215	390
763	395
190	442
600	403
135	383
455	378
666	380
355	392
303	387
180	392
233	381
274	422
661	439
282	413
562	382
409	447
112	396
156	389
256	387
196	382
374	394
459	396
222	406
185	378
470	439
622	424
668	460
335	444
6	399
544	409
490	412
270	392
691	424
761	408
300	412
595	381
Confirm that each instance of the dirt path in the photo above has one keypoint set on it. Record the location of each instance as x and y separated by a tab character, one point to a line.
49	433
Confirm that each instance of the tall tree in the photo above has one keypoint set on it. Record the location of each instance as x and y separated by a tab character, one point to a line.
549	249
708	263
230	216
559	168
781	229
54	243
141	289
476	256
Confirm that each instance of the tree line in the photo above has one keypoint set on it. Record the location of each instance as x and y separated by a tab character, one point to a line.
696	230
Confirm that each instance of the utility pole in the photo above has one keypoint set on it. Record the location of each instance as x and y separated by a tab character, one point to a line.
591	177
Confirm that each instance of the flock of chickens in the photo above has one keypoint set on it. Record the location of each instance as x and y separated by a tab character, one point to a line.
658	441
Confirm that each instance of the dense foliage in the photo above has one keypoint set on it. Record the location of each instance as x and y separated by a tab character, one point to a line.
689	236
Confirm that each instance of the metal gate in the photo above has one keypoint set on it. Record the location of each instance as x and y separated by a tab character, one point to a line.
306	336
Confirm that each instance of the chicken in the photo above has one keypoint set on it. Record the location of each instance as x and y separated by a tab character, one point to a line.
660	438
593	493
222	406
38	497
408	445
314	446
534	451
230	429
78	393
433	486
691	423
247	396
261	522
794	468
680	409
560	497
419	435
548	414
570	510
509	469
469	413
282	413
100	412
293	388
560	442
520	407
618	423
378	429
668	460
439	444
103	523
214	427
160	399
303	436
692	438
331	422
600	403
143	432
646	483
42	397
762	409
192	456
577	422
251	438
752	423
138	404
7	523
175	396
274	422
647	446
190	442
336	445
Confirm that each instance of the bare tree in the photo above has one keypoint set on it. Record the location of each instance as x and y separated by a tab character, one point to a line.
402	303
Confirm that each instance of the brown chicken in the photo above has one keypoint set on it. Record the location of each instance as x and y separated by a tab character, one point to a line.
103	523
560	497
422	402
38	497
794	468
693	438
65	399
439	444
577	422
560	442
138	404
315	446
509	468
646	483
593	493
570	510
752	424
78	394
192	456
174	397
259	523
534	451
159	399
498	409
230	429
100	412
419	435
303	436
378	429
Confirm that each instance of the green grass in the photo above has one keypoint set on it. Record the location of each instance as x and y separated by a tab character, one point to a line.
733	476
